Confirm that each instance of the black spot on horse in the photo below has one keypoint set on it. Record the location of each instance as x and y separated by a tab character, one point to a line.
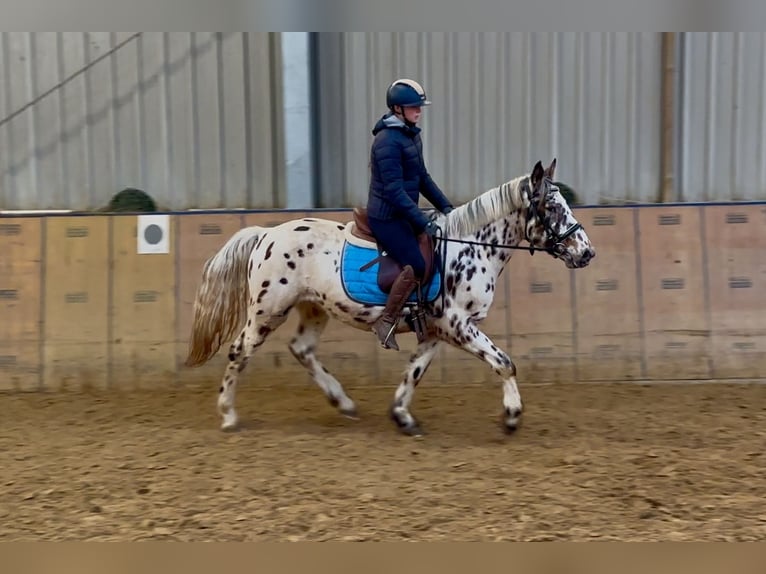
268	251
287	256
416	374
302	228
341	227
300	253
342	307
266	283
261	295
250	269
264	330
283	281
259	312
291	264
310	246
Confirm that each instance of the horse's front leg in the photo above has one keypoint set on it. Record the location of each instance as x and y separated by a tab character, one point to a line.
470	338
416	368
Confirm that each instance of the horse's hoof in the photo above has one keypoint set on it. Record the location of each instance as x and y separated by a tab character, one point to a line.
350	414
413	431
511	426
230	423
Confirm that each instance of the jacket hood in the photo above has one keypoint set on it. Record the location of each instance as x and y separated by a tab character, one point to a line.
389	120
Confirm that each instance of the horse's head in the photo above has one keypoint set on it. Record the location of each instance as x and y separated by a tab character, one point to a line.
550	223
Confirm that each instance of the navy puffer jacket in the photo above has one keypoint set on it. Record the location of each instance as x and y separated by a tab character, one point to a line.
399	174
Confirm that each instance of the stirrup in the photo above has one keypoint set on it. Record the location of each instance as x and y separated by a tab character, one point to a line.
420	324
418	320
390	336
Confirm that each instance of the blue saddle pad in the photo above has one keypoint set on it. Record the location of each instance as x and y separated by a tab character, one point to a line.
362	286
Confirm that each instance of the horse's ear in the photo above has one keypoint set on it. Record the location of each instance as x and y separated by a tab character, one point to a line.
551	169
537	175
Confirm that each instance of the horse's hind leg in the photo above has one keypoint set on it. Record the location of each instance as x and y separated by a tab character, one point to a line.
416	368
253	335
313	320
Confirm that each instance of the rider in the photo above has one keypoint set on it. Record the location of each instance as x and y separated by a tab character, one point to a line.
399	176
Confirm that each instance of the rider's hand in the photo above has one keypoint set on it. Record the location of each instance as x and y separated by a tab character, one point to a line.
431	228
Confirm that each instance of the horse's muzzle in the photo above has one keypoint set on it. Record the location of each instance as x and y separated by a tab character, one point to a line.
586	258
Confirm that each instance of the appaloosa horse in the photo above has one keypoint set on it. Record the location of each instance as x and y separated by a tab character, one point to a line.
323	269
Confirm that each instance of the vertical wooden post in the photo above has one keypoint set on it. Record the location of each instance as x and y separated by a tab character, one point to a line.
667	143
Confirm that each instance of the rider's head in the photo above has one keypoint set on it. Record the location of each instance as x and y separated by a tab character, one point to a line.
405	97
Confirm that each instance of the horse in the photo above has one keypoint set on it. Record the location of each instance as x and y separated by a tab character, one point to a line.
314	267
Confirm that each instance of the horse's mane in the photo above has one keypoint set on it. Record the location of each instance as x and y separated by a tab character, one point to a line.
492	205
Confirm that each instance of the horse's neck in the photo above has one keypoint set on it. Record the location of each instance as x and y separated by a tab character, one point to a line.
490	240
491	207
492	219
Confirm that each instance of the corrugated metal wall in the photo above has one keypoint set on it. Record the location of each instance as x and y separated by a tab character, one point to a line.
188	117
195	119
501	101
724	123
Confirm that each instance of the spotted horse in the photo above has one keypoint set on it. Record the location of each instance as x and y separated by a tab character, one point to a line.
298	266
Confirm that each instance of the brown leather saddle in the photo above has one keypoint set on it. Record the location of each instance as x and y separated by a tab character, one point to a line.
389	269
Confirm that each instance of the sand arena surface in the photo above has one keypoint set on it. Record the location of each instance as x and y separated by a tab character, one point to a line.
590	462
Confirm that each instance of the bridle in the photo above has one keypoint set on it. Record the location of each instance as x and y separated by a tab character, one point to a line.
554	245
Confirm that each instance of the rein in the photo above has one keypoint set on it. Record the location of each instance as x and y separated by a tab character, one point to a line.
557	239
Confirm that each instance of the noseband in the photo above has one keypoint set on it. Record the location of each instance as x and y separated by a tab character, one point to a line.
554	245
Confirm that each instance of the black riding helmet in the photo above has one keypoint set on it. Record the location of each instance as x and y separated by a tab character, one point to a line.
406	93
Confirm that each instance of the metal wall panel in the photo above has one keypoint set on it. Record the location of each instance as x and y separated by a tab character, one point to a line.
21	313
189	117
724	122
501	101
75	349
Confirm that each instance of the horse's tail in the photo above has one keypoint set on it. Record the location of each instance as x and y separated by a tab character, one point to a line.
220	305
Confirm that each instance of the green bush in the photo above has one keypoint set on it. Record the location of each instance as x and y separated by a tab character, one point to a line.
131	199
568	193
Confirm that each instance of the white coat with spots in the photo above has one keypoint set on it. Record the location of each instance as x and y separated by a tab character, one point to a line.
295	267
